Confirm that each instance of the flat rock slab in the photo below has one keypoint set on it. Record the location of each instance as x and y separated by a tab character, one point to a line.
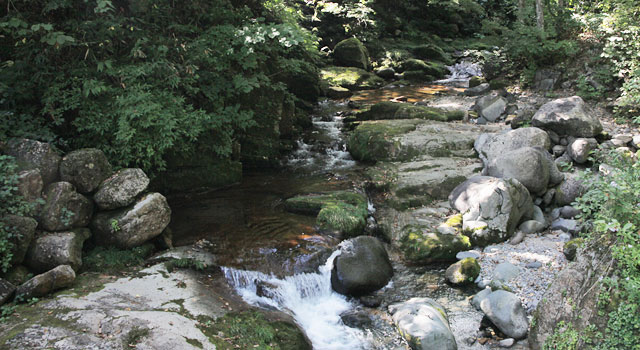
165	305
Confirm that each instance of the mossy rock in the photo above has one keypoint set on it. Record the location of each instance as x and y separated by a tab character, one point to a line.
351	78
454	221
417	75
344	212
570	248
395	110
497	84
373	141
436	70
430	52
351	53
463	272
476	81
420	246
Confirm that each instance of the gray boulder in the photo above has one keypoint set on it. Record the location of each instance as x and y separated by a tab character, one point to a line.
569	212
22	230
477	90
6	290
65	208
85	169
131	226
546	79
567	116
386	73
491	146
528	165
490	107
424	324
43	284
498	203
570	189
480	296
31	154
121	189
580	149
566	225
362	267
30	184
351	53
59	248
505	310
531	226
463	272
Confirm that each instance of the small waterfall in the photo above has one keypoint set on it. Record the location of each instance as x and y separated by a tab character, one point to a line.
461	72
308	297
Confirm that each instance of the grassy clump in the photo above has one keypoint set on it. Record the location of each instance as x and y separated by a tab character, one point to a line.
111	259
252	330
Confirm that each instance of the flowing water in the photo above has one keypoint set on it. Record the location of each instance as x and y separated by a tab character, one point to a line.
279	260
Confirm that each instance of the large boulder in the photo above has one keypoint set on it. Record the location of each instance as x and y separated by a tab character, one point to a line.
59	248
505	310
424	324
65	208
491	146
491	107
528	165
6	290
495	206
568	116
22	230
121	189
362	267
31	154
131	226
30	184
85	169
351	53
422	69
43	284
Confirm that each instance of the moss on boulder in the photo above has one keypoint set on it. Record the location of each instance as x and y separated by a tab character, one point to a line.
351	53
434	69
463	272
396	110
420	246
373	141
351	78
345	212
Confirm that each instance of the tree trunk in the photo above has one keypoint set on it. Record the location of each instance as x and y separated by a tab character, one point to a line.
521	10
540	16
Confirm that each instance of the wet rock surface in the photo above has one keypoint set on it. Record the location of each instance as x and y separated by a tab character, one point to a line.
362	267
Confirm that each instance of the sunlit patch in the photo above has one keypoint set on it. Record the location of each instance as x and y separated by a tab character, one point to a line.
413	94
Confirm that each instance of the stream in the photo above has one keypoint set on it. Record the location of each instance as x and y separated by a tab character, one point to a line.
278	260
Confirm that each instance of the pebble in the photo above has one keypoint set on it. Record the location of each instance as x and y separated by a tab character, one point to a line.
519	236
506	343
534	265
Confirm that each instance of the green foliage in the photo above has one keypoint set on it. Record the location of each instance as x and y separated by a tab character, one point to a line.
111	259
528	46
612	203
185	263
564	338
10	203
141	81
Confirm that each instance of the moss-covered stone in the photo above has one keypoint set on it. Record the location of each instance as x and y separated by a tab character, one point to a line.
570	248
420	246
373	141
417	76
454	221
245	330
434	69
463	272
475	81
395	110
351	53
351	78
345	212
430	52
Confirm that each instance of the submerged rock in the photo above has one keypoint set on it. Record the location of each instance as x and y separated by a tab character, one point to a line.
43	284
31	154
65	208
85	169
362	267
121	189
568	116
494	206
59	248
424	324
134	225
505	310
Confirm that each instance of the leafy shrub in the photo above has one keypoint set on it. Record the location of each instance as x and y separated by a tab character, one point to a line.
527	46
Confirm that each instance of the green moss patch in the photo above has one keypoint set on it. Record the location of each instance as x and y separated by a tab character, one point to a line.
395	110
351	78
113	260
252	330
373	141
345	212
434	69
421	246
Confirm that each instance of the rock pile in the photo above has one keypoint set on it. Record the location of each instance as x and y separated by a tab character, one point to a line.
77	198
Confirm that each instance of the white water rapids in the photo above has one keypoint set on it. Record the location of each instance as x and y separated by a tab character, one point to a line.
309	298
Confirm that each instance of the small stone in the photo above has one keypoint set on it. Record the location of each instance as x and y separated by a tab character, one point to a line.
463	272
534	265
558	150
569	212
531	226
566	225
506	343
517	238
468	254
